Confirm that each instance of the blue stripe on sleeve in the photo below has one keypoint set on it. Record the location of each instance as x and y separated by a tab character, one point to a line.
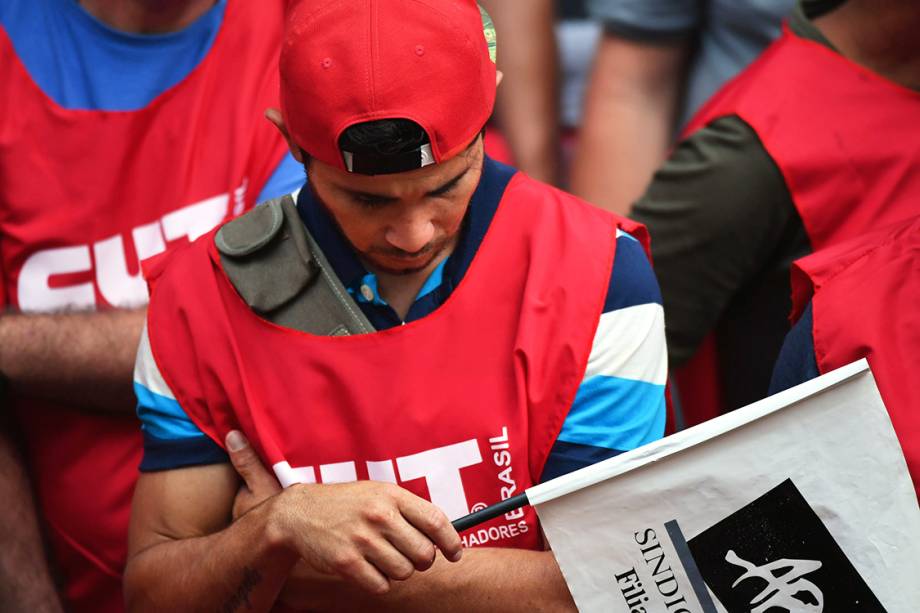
162	417
568	457
287	178
632	281
615	413
170	454
171	439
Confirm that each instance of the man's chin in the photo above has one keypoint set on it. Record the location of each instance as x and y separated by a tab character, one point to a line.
401	271
397	266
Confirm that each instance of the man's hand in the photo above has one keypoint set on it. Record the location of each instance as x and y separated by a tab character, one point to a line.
518	580
365	532
258	484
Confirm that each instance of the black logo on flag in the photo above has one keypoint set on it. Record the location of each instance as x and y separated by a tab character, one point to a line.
776	556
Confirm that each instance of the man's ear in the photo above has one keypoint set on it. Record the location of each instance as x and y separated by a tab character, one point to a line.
274	116
499	75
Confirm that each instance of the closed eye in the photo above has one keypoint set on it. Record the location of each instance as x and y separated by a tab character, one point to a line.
370	201
449	186
443	191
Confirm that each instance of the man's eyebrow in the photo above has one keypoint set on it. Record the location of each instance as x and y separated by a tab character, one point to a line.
368	195
447	186
382	198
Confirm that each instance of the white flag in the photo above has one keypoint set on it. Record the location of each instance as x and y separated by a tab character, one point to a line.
801	502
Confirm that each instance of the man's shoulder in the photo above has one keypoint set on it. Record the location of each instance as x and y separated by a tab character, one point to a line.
241	237
718	177
172	266
632	280
577	210
538	194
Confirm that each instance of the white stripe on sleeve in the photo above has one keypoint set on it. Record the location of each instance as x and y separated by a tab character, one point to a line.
630	344
146	372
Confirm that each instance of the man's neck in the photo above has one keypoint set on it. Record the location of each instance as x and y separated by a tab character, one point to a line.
400	291
880	36
147	16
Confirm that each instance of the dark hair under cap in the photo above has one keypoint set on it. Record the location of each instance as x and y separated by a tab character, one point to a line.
385	146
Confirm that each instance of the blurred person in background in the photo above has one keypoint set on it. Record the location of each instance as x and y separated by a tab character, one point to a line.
126	127
527	109
25	583
577	36
859	299
816	143
657	62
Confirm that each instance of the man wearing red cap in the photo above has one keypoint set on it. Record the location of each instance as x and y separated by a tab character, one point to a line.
418	315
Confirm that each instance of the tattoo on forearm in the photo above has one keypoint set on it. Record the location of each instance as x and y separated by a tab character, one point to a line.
251	579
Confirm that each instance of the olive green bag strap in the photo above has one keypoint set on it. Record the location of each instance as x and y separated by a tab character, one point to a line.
280	272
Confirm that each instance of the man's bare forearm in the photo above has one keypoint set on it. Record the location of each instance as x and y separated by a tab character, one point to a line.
83	359
628	125
25	583
528	101
240	568
485	579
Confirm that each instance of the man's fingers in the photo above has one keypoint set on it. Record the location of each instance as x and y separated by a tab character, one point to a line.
249	466
433	523
352	566
386	558
414	545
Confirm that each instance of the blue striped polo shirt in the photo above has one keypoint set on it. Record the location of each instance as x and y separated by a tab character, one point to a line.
620	404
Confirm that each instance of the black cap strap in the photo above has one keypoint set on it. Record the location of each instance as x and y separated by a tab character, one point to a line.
366	163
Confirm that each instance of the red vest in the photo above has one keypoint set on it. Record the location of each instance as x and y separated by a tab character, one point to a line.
83	195
846	141
865	298
462	406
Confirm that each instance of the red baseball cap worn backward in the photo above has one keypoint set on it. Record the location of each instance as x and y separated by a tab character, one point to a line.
345	62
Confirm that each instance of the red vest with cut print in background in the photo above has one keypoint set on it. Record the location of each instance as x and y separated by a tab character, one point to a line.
461	407
846	141
84	195
865	297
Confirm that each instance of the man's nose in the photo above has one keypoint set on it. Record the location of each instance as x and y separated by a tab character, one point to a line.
411	233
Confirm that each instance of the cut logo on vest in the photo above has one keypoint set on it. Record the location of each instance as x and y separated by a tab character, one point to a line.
443	470
514	523
53	279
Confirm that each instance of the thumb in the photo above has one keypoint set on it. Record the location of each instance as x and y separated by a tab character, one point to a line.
248	465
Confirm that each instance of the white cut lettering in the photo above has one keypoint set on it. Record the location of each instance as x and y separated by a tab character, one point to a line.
34	287
116	284
441	469
381	471
342	472
288	476
196	219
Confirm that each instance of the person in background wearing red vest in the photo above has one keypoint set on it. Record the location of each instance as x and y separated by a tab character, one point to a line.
816	142
861	299
497	333
126	127
658	61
